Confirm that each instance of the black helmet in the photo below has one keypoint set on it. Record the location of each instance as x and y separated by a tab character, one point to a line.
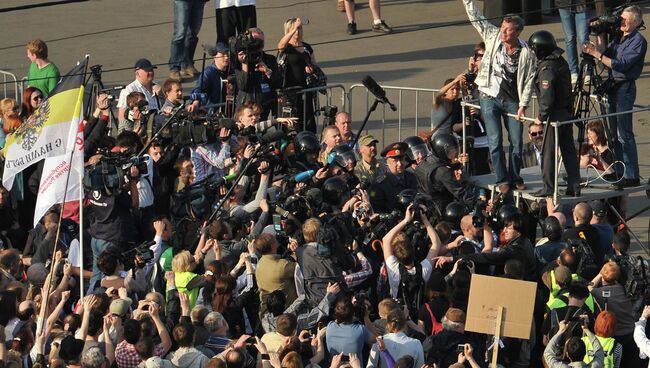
335	191
542	43
454	212
405	198
306	142
552	228
417	148
445	146
507	211
345	157
299	207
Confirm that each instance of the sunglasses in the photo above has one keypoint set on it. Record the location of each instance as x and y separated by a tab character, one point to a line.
36	98
535	134
478	56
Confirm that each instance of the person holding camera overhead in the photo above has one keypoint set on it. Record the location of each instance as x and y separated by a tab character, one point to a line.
299	60
624	56
505	80
446	112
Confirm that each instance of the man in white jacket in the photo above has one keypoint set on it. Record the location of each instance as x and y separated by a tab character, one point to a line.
505	80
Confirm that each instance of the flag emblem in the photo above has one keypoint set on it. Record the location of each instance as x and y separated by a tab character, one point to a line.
27	134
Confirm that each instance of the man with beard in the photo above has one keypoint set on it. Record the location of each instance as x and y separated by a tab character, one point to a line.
532	153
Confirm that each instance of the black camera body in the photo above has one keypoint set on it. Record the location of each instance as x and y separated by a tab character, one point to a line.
191	130
142	251
251	46
108	175
329	114
609	24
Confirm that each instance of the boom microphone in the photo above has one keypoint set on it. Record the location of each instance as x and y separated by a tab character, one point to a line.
304	176
377	91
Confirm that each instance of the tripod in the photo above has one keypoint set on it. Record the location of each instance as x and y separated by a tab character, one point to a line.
96	88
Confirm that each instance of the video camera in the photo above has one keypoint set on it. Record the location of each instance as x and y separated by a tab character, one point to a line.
329	114
142	251
108	175
608	23
251	46
191	130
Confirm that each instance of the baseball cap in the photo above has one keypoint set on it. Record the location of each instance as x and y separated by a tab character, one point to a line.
397	149
144	64
220	48
599	208
367	140
120	307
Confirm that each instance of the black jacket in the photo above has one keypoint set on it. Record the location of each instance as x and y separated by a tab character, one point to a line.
518	248
439	181
553	87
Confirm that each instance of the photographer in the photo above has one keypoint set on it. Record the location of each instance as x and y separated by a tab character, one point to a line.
116	277
574	350
213	158
407	275
257	73
214	79
517	247
112	220
624	56
482	237
446	112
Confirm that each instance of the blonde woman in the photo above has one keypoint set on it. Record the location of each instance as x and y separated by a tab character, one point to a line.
184	279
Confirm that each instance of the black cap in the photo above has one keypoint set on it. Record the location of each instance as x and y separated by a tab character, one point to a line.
599	208
144	64
220	48
71	348
394	150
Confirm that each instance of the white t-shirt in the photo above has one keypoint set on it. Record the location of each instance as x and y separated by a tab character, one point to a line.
145	185
222	4
73	254
135	86
392	270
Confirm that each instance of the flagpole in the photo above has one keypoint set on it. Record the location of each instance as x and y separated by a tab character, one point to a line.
81	233
48	285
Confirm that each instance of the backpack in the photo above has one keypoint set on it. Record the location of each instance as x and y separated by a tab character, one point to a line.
587	266
411	289
634	276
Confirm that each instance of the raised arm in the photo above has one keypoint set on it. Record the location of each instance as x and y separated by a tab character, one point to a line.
387	241
482	25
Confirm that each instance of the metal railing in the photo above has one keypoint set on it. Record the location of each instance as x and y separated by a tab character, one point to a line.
399	92
7	85
321	99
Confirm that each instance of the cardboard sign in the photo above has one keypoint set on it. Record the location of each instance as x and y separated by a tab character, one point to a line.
517	298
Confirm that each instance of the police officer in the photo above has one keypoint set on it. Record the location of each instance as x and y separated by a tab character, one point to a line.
383	193
553	86
435	173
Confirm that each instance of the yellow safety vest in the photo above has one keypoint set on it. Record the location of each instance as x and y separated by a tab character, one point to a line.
607	343
182	279
555	289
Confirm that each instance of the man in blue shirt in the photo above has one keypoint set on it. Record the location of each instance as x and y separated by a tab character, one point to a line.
214	79
624	56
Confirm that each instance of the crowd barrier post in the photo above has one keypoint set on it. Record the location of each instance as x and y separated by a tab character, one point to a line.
329	92
8	80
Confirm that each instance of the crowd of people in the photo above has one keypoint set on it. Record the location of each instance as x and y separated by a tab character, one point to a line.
241	238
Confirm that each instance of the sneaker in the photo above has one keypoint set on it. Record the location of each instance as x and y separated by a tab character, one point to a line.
340	5
190	71
381	27
175	75
352	28
574	78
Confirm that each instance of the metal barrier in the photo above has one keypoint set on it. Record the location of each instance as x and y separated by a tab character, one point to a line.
321	100
7	79
399	91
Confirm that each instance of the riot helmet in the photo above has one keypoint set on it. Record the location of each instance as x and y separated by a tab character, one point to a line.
542	43
344	157
335	191
454	212
418	149
445	147
306	142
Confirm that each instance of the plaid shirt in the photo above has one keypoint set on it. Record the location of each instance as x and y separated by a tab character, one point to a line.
127	357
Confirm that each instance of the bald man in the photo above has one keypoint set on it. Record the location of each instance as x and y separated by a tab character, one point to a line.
343	121
482	239
582	214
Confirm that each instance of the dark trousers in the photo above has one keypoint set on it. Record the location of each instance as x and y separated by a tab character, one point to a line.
234	20
569	156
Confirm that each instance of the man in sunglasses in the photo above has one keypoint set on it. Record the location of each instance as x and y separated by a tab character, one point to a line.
505	80
532	154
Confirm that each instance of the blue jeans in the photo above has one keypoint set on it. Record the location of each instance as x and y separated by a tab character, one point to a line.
620	128
573	23
98	246
188	16
494	110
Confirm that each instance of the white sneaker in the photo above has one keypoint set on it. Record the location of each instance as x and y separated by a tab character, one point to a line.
574	78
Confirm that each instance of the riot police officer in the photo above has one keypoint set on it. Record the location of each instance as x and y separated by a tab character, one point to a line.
553	86
435	173
307	148
383	193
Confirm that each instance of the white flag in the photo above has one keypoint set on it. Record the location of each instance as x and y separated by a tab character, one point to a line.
55	173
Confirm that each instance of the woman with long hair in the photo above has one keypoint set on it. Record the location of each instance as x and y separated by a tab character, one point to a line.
229	303
32	98
596	152
300	60
446	112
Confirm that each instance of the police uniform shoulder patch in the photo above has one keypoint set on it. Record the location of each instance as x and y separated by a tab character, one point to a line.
545	84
